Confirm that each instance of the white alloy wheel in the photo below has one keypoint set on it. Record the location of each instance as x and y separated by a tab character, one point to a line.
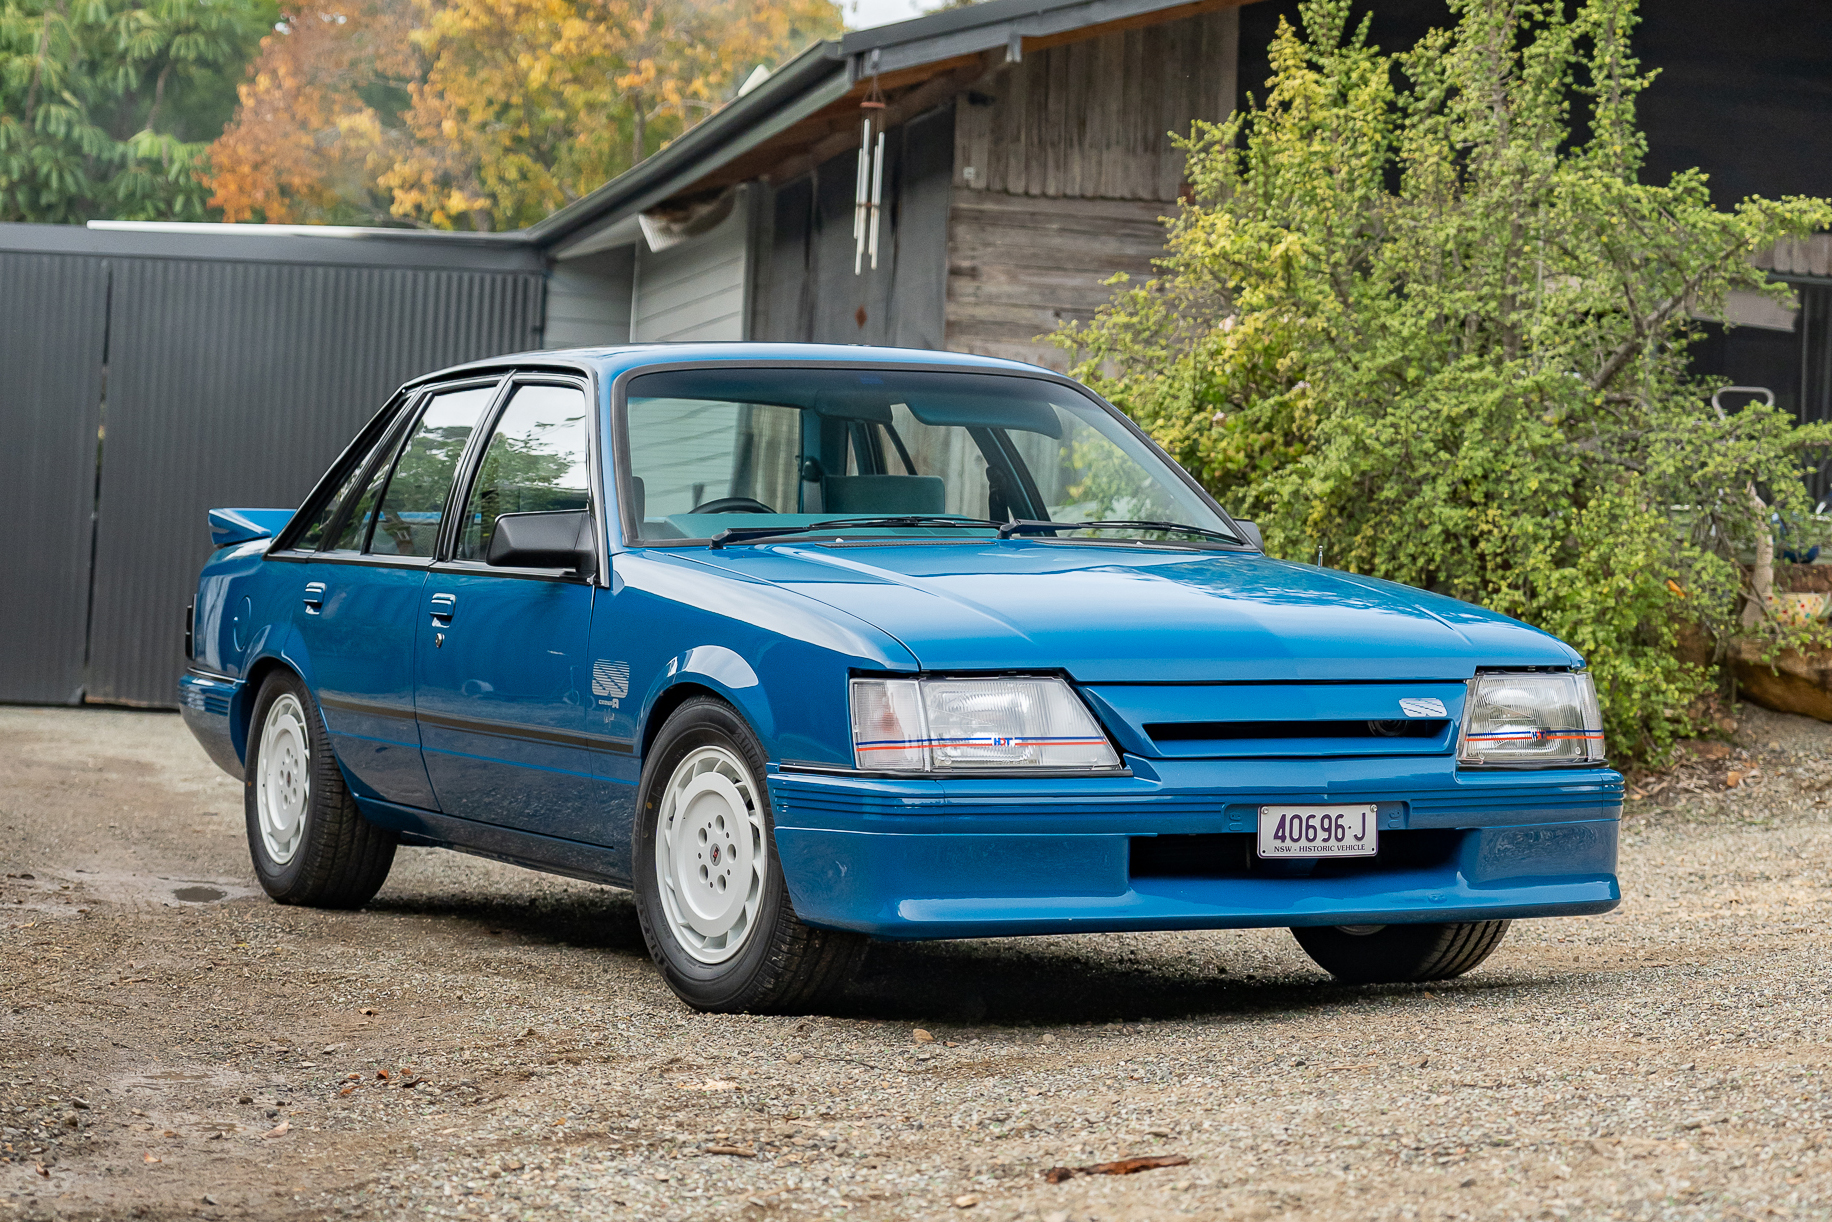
711	854
283	784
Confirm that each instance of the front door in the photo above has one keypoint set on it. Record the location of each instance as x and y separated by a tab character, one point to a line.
501	674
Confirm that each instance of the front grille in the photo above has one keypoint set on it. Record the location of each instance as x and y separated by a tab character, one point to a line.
1284	720
1233	855
1235	731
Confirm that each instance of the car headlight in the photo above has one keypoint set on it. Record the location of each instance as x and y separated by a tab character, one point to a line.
975	725
1522	719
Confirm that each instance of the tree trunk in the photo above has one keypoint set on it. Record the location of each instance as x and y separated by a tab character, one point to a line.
1762	576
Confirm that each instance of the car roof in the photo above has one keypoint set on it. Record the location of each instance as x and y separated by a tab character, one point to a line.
609	362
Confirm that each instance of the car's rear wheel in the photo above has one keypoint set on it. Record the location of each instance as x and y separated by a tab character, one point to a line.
1398	954
710	894
309	842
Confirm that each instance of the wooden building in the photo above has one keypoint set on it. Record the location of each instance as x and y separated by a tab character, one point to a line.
1027	157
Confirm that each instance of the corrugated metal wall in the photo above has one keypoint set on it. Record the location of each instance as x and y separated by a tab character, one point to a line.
53	317
237	384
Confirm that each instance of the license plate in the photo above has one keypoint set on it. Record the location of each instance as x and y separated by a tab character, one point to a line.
1318	831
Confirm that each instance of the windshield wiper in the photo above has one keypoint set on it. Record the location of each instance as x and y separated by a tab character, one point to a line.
1008	529
750	534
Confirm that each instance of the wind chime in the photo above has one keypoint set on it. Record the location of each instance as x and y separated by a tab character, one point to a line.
868	191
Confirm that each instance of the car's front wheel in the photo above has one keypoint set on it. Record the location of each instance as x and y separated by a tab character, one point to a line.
710	893
1399	954
310	843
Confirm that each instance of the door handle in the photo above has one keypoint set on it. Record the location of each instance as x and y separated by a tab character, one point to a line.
443	606
314	597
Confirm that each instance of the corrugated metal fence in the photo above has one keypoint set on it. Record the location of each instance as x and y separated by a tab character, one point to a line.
194	383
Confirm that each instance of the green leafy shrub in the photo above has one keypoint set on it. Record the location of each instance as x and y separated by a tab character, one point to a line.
1422	313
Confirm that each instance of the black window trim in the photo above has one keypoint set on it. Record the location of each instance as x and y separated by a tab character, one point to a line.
387	450
445	559
629	535
366	439
427	395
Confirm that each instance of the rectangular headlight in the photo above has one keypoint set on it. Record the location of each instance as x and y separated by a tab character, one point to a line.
1532	719
975	725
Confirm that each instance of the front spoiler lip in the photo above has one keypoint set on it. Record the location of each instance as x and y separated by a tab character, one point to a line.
1157	906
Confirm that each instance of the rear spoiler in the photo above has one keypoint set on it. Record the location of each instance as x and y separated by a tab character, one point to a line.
229	526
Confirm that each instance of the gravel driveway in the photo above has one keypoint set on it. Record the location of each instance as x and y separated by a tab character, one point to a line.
487	1042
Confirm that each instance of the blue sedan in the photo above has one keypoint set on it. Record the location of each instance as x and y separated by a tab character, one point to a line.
812	645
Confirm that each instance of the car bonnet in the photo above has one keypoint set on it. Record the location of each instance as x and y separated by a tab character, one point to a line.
1116	613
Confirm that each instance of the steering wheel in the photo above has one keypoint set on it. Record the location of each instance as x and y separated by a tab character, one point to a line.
732	504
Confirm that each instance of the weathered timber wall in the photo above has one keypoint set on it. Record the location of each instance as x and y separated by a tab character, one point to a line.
1020	267
1063	166
1093	119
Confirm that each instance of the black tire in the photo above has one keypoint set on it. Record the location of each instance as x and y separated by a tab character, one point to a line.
1400	954
341	859
781	966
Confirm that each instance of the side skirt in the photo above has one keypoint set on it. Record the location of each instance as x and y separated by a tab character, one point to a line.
551	855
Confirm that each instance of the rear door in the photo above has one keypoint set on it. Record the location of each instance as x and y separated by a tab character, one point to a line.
501	675
359	594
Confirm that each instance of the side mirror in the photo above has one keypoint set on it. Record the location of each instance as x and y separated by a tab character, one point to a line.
559	539
1251	531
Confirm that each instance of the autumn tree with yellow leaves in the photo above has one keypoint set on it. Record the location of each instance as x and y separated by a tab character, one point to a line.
483	114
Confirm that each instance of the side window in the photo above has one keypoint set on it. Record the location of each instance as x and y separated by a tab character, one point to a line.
407	522
536	462
355	529
326	512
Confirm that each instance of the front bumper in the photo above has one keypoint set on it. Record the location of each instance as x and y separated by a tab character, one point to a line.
953	859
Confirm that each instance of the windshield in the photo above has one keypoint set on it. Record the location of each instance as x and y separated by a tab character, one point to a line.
714	449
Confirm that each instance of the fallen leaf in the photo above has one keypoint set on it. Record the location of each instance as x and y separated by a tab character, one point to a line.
1124	1166
366	1010
921	1036
149	1158
966	1202
738	1151
382	1074
1732	780
279	1130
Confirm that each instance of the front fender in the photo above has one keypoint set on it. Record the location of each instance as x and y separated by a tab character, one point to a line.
780	658
727	674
